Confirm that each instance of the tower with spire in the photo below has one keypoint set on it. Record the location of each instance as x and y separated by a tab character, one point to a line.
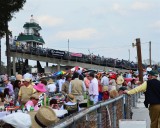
31	36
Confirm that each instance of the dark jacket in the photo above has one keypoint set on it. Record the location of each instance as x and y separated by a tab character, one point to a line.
152	94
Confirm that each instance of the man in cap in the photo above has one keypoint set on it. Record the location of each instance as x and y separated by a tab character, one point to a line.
152	97
25	91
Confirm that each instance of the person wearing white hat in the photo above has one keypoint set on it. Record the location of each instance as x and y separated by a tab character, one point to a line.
42	118
25	91
17	120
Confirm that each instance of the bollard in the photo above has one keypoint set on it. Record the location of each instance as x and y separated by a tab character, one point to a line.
99	117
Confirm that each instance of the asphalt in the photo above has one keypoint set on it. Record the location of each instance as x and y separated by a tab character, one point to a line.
140	112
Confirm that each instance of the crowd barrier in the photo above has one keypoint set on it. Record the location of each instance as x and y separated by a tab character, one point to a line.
102	115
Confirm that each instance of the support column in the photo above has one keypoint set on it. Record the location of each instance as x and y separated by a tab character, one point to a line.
46	64
14	66
58	67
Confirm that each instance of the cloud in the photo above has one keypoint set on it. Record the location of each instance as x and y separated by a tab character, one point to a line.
141	6
119	9
77	34
156	24
50	21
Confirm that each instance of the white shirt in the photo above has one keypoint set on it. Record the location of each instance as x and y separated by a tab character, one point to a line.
60	83
93	87
51	87
105	81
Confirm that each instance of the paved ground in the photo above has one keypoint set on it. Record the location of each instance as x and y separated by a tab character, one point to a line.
140	112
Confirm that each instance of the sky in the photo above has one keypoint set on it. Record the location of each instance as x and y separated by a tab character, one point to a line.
104	27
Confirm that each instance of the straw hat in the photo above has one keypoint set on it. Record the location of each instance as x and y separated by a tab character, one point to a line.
50	81
19	77
120	80
44	117
18	120
105	88
113	93
71	98
40	87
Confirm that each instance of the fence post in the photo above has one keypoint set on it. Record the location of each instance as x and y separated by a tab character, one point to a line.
123	107
99	117
114	115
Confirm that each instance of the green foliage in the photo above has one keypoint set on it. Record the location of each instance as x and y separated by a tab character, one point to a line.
7	9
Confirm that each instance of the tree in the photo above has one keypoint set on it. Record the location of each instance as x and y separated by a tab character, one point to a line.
7	9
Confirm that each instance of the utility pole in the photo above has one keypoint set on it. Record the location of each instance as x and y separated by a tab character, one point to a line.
68	50
139	55
139	58
129	54
150	59
68	46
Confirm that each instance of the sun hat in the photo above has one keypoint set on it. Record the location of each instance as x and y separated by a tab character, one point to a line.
50	81
112	76
40	87
71	98
113	93
120	80
44	117
60	113
105	88
153	73
27	79
18	120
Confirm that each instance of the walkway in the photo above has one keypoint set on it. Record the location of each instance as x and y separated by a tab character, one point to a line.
140	112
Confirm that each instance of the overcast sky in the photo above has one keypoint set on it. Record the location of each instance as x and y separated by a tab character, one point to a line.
104	27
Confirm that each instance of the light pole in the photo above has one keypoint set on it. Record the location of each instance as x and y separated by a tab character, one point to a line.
129	54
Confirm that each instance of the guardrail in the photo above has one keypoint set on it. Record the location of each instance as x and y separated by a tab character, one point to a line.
102	115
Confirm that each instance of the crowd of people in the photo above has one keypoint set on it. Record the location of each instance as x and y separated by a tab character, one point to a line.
68	94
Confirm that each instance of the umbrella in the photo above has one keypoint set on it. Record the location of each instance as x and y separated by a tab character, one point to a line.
59	73
76	68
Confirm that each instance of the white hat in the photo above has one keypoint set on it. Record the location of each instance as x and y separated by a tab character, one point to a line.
60	113
18	120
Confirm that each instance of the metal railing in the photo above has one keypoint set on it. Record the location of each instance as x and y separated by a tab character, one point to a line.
102	115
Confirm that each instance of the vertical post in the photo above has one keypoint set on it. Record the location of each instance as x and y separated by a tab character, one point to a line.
140	68
114	115
58	67
0	56
123	107
129	54
150	59
68	49
8	49
46	64
99	117
14	66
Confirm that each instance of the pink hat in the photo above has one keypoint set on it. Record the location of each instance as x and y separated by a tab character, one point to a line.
40	87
